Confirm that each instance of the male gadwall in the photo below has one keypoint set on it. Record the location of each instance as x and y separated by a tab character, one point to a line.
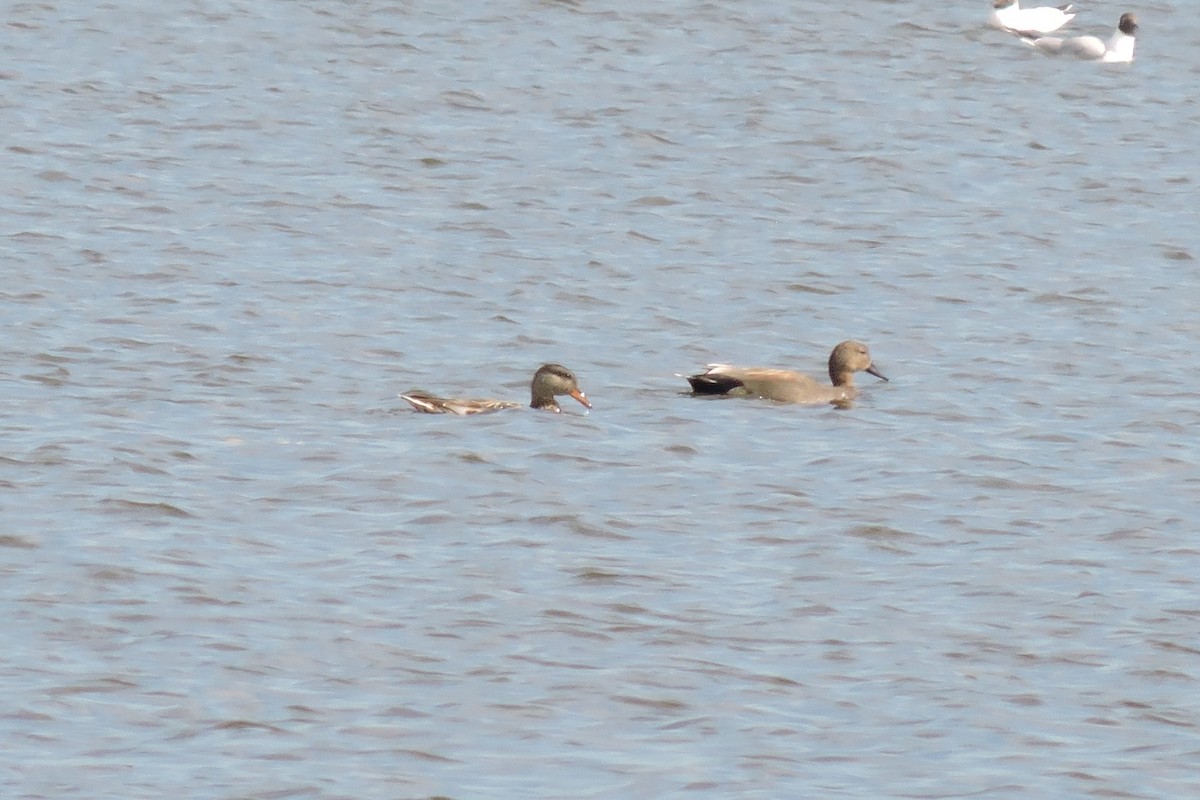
548	381
1117	50
787	386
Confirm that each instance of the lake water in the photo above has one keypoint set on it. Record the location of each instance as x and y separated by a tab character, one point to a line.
236	565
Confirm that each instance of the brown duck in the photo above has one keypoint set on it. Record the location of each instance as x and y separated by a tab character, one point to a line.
548	381
786	386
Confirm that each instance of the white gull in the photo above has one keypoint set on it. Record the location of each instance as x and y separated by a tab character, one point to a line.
1118	49
1008	15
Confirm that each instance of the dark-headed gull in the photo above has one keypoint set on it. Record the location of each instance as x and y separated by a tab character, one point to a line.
1118	49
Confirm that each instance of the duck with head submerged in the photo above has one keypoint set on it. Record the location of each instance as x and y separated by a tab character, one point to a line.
548	381
788	386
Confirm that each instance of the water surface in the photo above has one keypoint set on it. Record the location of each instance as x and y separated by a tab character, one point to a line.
237	566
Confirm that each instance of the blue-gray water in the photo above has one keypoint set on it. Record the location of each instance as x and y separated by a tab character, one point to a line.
235	565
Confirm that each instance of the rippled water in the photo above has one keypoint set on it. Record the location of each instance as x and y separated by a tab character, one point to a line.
236	565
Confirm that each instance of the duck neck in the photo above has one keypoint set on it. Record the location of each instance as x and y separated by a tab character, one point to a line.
843	377
544	401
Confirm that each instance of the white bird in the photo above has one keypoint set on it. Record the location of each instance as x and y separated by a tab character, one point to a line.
1118	49
1008	15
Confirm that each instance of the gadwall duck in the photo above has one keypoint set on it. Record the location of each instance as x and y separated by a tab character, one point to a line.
548	381
786	386
1117	50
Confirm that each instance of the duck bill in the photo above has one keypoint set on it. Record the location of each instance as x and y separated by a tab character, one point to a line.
871	370
581	397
